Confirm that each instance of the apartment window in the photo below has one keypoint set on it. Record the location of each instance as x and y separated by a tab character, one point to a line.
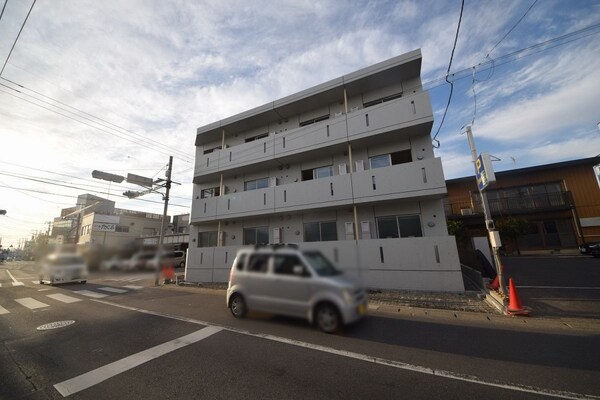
382	100
317	173
207	239
253	138
211	150
314	120
399	226
211	192
385	160
256	184
256	235
320	231
121	228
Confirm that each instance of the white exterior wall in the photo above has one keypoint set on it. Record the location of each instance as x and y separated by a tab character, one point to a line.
402	122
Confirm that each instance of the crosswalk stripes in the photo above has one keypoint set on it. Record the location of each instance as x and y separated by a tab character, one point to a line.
89	293
134	287
31	303
112	289
3	310
63	298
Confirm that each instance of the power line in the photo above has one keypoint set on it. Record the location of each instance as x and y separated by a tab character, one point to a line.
17	38
511	29
106	124
462	6
3	7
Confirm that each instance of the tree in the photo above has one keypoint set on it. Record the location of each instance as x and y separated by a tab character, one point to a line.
458	230
513	227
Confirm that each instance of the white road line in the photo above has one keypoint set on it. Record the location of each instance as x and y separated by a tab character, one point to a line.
101	374
15	281
0	285
35	282
560	287
31	303
134	287
112	290
63	297
134	279
3	310
375	360
89	293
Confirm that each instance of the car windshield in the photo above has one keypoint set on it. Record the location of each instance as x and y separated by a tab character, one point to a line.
321	265
66	260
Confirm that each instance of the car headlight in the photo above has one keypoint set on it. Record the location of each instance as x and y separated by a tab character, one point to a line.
347	294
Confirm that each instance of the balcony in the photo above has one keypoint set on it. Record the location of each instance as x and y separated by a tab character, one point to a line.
544	202
390	116
318	193
415	179
380	118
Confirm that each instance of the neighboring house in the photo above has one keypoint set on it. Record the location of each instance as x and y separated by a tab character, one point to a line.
346	167
561	202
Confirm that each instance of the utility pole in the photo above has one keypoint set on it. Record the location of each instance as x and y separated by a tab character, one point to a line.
161	235
489	222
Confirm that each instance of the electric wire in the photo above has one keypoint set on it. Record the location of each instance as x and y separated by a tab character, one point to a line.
105	123
17	38
3	7
511	29
462	6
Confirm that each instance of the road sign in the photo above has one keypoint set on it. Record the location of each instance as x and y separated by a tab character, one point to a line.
107	177
485	171
139	180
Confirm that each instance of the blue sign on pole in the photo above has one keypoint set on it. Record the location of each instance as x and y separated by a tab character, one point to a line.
485	173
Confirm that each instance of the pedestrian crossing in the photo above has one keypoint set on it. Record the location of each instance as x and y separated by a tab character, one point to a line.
42	301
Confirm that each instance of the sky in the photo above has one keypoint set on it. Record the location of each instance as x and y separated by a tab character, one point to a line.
119	86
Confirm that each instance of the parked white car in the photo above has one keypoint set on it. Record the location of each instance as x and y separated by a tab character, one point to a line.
175	259
284	280
63	268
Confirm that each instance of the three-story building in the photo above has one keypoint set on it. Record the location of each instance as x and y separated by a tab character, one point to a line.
346	167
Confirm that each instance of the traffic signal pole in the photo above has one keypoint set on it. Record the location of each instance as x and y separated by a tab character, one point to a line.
161	236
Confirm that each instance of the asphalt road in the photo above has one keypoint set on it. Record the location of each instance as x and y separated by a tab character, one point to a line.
132	340
557	286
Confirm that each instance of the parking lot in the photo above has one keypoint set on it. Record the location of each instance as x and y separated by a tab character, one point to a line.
557	286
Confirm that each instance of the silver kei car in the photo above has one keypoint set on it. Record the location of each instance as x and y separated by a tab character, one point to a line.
286	281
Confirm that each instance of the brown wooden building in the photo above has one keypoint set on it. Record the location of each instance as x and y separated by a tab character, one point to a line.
560	201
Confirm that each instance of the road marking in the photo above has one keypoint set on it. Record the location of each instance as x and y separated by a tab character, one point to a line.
3	310
31	303
89	293
560	287
45	289
63	297
0	285
112	289
134	279
375	360
101	374
15	281
134	287
35	282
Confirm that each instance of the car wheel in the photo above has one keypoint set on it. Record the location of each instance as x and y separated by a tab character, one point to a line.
237	305
82	282
327	318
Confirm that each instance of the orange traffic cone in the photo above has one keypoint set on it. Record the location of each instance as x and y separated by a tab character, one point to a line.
495	284
515	307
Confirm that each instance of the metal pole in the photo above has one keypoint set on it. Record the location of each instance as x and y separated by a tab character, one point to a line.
489	222
161	235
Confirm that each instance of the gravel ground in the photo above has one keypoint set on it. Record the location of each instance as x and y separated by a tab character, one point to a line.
468	301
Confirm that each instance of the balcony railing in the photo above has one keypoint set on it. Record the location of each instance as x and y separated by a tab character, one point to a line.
513	205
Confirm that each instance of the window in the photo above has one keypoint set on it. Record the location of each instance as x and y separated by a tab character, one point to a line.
258	263
317	173
320	231
121	228
240	261
284	264
399	226
385	160
314	120
212	192
208	151
253	138
256	184
207	239
256	235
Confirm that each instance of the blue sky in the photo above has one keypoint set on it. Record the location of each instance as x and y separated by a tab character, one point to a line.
163	68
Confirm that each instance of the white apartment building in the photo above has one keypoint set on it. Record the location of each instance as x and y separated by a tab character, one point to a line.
346	167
